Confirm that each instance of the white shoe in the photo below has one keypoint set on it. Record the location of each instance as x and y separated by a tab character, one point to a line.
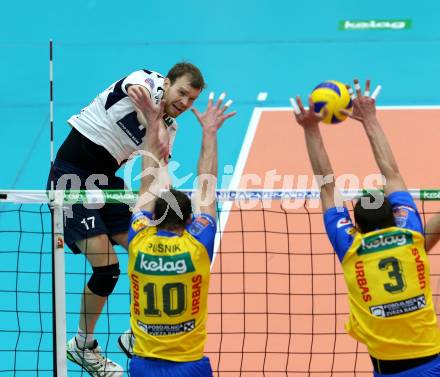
92	360
126	343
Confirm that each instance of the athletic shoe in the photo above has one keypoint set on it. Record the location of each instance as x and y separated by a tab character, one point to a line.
126	343
92	360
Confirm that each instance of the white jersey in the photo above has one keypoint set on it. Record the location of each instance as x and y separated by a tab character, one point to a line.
111	120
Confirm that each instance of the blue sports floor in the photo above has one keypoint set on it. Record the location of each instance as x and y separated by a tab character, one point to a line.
242	47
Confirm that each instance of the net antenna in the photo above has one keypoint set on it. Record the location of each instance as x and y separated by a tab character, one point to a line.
52	187
58	265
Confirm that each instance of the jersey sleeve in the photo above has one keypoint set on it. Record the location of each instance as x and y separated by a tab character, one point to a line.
340	229
405	211
138	222
148	79
203	228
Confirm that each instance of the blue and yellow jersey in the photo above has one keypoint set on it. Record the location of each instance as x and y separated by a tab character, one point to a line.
388	281
169	280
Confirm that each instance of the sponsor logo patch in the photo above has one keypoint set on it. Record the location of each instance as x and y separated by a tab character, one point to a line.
165	329
199	224
203	220
150	83
401	216
342	222
164	265
384	241
400	212
140	223
399	307
392	24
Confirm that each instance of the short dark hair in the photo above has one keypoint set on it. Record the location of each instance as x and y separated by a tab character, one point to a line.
370	219
185	68
167	208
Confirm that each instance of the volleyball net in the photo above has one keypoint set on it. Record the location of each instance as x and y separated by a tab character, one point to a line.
277	301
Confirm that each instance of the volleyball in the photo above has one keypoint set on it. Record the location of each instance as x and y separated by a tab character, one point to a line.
332	96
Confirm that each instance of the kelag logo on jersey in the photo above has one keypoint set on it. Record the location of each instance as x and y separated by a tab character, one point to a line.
164	265
384	241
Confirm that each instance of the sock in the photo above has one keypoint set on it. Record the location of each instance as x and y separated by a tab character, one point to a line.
83	339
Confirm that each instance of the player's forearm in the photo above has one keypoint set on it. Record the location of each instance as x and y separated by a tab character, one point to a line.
322	168
317	153
204	200
432	232
150	157
381	149
152	141
208	154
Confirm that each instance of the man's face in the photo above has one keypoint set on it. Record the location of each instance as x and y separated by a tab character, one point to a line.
180	96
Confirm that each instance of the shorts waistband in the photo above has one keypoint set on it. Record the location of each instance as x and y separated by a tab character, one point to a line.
397	366
166	360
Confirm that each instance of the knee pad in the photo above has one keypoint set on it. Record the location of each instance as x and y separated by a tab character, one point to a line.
103	280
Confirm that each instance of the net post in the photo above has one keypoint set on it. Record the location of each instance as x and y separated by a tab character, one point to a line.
58	285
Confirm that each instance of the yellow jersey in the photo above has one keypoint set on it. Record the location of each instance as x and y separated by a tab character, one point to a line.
387	274
389	291
169	279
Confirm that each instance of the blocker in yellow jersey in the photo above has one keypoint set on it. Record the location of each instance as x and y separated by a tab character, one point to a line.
383	256
169	276
389	293
170	257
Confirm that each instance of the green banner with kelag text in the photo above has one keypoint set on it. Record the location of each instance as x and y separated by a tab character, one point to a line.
375	24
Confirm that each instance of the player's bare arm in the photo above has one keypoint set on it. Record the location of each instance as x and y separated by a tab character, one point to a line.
134	91
148	111
211	121
322	168
432	232
364	111
153	170
139	91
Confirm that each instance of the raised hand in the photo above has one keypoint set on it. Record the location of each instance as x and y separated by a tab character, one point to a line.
146	106
364	105
306	118
214	116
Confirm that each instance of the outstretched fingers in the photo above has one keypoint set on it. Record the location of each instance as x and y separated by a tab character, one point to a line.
210	99
227	105
215	113
228	115
357	88
197	113
300	105
221	97
295	107
367	88
311	104
350	114
376	92
367	91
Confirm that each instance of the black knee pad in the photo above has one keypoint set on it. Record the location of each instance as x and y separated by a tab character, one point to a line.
103	280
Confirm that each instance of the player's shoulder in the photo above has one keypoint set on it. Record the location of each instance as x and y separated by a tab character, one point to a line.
340	216
139	221
200	223
401	198
152	80
153	73
154	76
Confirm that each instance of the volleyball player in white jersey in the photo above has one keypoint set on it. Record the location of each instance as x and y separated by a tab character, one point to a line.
103	136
